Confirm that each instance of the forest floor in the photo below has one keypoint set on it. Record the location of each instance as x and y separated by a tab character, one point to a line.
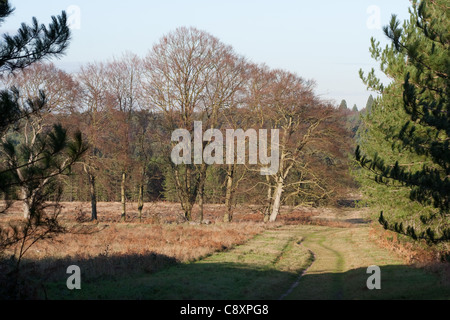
310	254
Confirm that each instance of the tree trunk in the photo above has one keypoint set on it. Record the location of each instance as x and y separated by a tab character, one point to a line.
141	201
183	195
277	200
201	190
93	194
187	207
269	201
122	192
26	204
201	200
229	194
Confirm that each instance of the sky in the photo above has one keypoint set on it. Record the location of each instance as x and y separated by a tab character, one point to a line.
326	41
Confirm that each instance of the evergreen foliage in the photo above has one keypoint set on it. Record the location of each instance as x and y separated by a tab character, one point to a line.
404	144
32	166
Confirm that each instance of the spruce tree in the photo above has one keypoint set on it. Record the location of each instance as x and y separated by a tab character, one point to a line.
404	140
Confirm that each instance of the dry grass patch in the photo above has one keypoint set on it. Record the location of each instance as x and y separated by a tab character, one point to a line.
176	243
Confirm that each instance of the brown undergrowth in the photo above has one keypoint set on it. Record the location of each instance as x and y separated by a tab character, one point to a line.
113	249
417	254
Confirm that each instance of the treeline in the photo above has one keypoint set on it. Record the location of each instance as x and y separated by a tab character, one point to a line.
127	109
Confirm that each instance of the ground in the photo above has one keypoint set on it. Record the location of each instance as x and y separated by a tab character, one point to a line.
309	254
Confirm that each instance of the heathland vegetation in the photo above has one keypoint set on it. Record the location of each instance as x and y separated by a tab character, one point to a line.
87	175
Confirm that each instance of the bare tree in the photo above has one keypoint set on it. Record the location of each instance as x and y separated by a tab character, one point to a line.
124	85
282	100
191	76
94	102
236	117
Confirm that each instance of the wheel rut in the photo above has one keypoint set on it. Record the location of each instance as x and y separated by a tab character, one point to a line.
302	273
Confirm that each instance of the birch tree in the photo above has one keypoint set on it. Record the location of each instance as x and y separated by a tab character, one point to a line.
282	100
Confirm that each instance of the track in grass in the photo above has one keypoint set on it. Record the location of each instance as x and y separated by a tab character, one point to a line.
340	269
291	262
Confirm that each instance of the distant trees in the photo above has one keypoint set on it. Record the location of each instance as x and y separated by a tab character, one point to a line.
128	108
405	138
343	106
124	77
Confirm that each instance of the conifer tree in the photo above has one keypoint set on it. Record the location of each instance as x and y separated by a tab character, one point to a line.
405	138
343	106
31	44
35	166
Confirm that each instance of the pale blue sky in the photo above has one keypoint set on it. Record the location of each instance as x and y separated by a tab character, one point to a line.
326	40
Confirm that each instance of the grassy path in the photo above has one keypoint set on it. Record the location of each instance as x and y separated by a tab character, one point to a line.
342	259
260	269
292	262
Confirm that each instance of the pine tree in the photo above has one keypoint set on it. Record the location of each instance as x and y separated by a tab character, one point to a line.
31	44
405	138
32	167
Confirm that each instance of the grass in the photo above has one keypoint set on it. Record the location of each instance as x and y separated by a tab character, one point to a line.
268	267
299	258
111	250
342	259
260	269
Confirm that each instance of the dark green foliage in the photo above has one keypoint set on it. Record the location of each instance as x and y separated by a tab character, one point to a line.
405	143
33	43
5	10
30	44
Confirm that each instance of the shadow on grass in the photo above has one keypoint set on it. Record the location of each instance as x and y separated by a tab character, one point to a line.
398	282
35	276
158	277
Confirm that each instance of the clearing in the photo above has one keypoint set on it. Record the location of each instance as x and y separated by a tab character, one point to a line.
284	262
